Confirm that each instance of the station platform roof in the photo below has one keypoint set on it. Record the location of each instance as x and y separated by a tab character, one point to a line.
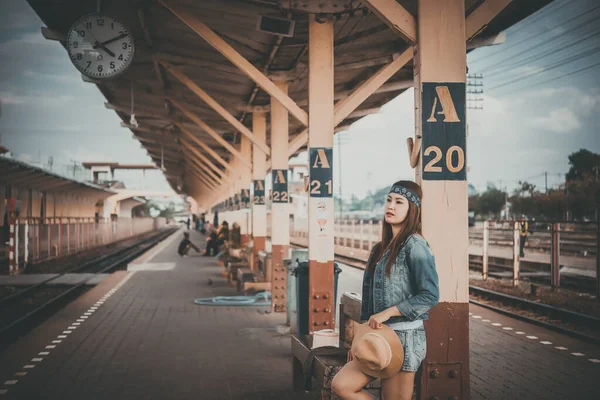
23	175
166	47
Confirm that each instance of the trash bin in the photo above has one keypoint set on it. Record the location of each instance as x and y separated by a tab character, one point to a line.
301	273
295	256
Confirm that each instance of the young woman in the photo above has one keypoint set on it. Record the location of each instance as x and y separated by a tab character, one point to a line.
400	285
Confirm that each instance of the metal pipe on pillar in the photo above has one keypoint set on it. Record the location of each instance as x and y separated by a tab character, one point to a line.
320	147
441	71
280	213
259	208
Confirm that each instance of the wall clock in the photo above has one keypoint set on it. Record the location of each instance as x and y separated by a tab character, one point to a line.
100	46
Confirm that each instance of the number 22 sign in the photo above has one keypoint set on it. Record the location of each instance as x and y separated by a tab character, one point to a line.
444	131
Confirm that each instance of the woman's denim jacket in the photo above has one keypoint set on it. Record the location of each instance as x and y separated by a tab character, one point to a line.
412	286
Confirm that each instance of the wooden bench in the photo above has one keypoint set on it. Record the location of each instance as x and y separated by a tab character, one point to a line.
249	280
325	366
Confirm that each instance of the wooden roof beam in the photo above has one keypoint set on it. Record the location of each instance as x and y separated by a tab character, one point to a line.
195	160
364	112
201	173
346	106
203	145
238	60
142	18
385	88
191	162
396	17
202	157
168	139
202	179
193	62
211	132
199	176
475	22
492	40
216	106
481	17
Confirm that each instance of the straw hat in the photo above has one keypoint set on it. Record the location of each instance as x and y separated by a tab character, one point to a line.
378	352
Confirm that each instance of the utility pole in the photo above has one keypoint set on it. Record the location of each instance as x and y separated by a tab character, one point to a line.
475	91
506	200
341	200
567	188
546	179
597	169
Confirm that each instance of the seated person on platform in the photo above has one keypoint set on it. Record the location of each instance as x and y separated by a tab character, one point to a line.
236	236
216	239
211	240
185	245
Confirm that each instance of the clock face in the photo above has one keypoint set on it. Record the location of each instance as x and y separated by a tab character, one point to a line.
100	46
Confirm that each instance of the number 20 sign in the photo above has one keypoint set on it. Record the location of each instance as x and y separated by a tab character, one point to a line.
444	131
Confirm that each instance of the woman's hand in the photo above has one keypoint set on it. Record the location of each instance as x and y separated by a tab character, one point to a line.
377	320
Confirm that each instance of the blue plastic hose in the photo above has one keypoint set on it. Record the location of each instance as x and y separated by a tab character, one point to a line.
236	300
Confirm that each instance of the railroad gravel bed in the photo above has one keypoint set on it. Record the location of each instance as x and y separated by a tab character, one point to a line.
583	303
563	298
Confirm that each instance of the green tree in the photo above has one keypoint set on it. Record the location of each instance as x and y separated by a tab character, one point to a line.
552	205
583	162
583	184
525	188
491	201
155	209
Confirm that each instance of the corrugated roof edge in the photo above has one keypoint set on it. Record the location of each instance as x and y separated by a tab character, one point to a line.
3	157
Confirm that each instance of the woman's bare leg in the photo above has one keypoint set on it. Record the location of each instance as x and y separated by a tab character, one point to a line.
399	386
348	384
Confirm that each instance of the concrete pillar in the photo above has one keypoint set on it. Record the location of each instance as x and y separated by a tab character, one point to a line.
280	213
243	190
259	208
320	201
442	73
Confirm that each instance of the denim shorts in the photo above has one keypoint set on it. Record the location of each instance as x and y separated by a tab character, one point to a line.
415	348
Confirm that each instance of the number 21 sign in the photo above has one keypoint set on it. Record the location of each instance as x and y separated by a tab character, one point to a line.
321	172
444	131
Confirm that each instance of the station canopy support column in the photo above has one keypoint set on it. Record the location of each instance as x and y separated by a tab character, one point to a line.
320	149
280	213
259	170
441	75
244	192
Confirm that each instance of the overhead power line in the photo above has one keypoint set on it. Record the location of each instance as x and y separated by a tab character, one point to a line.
579	56
541	55
529	38
577	71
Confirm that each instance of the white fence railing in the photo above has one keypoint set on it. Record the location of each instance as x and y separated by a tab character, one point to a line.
37	239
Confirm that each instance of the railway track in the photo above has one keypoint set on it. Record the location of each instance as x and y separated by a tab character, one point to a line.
25	309
573	324
580	326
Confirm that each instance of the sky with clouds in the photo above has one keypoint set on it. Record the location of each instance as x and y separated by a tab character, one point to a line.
541	102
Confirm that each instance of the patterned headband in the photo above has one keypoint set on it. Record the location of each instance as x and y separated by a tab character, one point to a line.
401	190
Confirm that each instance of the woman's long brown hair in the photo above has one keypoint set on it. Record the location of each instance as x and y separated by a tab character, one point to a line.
412	224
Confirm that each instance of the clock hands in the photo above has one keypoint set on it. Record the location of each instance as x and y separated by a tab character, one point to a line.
121	36
110	53
98	44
